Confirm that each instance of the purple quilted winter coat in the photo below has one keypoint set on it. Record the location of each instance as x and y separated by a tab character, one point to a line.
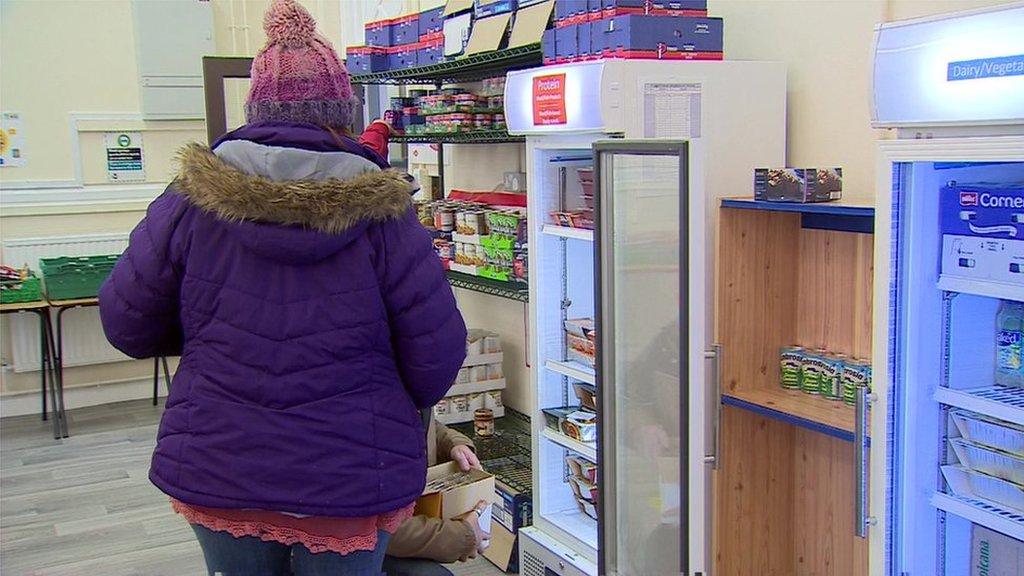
312	319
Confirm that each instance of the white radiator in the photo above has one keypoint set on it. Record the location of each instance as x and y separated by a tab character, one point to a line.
84	342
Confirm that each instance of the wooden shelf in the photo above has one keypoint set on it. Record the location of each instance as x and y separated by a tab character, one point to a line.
844	215
808	411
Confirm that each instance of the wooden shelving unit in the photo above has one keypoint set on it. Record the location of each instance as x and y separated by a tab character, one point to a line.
785	488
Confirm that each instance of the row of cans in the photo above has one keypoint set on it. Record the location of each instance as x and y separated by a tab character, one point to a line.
834	376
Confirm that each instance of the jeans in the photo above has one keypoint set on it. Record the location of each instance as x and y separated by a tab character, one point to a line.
249	556
413	567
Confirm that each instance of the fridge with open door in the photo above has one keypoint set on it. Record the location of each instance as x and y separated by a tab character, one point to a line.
624	161
947	480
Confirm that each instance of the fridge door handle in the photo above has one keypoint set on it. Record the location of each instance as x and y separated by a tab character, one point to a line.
715	355
860	454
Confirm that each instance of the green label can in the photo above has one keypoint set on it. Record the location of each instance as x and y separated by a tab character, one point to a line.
856	374
791	360
831	376
810	372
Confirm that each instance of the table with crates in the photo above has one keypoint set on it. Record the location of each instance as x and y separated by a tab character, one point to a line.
66	283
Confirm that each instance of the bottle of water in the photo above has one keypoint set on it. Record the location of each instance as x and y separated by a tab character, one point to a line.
1010	344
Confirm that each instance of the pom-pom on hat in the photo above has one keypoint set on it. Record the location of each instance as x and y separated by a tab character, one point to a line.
297	76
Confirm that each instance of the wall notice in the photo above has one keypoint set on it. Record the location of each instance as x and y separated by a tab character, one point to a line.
12	140
672	110
549	100
124	157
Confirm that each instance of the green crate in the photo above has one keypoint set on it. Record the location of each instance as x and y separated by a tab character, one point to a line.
72	277
27	290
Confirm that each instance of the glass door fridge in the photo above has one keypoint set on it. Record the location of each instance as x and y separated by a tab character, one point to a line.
652	489
947	485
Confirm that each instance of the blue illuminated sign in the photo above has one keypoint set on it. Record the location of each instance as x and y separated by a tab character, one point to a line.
986	68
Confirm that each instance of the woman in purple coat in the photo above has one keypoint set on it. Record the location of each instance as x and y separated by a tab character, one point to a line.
288	270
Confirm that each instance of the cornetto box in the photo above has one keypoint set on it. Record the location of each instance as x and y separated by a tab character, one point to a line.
798	184
993	554
652	33
450	492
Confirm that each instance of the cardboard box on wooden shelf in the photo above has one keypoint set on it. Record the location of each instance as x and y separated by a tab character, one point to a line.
450	492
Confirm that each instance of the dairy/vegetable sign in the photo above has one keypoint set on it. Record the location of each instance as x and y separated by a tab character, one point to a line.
549	100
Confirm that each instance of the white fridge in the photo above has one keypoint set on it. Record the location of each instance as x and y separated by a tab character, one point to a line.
947	425
656	144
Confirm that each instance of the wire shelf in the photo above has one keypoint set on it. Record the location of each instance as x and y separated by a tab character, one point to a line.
467	69
471	137
1002	402
510	290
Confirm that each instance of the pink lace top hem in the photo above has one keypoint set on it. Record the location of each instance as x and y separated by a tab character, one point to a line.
316	533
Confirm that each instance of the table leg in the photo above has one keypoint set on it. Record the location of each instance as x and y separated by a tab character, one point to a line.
167	374
60	369
58	415
43	361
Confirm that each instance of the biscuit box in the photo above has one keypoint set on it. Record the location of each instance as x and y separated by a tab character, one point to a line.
571	9
798	184
547	43
402	57
485	8
658	33
430	53
405	29
565	43
583	40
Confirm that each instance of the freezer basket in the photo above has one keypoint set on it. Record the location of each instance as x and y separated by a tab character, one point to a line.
991	462
967	483
990	432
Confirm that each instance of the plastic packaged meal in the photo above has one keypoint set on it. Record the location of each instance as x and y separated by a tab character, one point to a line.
580	425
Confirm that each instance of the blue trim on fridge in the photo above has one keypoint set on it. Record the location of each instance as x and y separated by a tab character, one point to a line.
806	208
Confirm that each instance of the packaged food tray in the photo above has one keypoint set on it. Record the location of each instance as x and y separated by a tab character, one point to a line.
70	277
968	483
991	432
992	462
14	291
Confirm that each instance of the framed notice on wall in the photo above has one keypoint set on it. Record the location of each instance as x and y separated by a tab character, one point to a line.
12	146
124	157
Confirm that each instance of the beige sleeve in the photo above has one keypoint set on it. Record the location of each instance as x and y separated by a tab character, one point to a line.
448	439
432	539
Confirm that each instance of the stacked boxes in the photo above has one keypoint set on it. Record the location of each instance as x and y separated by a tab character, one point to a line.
398	43
989	461
633	29
479	382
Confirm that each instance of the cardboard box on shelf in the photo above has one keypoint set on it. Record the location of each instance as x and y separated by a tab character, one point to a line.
638	32
450	492
456	33
530	24
583	41
430	53
512	510
431	21
566	43
488	33
366	59
993	554
567	9
485	8
405	29
378	33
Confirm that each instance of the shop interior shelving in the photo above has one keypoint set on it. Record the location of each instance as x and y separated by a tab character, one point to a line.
789	274
466	69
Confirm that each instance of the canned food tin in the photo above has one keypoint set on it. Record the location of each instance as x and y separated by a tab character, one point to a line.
483	422
447	220
856	374
830	380
791	361
460	404
810	372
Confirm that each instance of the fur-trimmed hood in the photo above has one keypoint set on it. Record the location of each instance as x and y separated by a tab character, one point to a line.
331	205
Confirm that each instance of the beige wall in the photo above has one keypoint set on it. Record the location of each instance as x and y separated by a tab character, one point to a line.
85	63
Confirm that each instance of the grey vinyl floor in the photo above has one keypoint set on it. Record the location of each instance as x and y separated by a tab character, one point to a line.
83	506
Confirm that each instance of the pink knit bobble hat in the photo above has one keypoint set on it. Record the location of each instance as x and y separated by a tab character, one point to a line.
297	76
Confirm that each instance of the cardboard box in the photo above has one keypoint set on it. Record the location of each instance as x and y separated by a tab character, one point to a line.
548	46
450	492
798	184
431	21
993	554
652	33
485	8
430	53
378	33
405	29
402	57
566	42
366	59
583	38
566	9
512	511
456	33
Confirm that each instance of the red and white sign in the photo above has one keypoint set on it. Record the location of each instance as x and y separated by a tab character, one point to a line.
968	198
549	100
